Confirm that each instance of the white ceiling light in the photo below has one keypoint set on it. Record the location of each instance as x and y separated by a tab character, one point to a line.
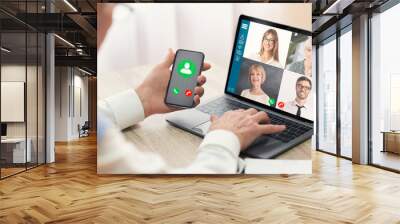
84	71
65	41
337	7
70	5
5	50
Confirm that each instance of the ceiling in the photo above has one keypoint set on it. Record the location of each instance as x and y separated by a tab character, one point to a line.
331	15
72	20
76	20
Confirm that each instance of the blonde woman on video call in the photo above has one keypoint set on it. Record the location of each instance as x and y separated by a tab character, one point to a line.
269	50
257	76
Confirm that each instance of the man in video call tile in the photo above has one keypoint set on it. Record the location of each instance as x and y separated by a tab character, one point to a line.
257	76
299	105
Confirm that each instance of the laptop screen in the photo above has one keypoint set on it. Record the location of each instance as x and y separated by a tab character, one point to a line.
271	66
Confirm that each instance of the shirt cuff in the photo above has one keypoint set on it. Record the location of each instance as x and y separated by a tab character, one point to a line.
224	139
126	108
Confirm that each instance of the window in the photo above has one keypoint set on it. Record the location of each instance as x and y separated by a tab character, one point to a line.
346	92
327	96
22	75
14	155
385	88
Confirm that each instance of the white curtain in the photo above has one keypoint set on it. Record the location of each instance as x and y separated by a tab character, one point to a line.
144	35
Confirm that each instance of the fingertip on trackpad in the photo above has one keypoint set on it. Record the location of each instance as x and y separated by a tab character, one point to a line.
202	128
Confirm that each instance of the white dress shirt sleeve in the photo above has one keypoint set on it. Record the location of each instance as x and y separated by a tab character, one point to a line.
125	108
217	154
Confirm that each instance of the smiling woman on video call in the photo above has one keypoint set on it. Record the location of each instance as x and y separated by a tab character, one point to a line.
257	76
269	50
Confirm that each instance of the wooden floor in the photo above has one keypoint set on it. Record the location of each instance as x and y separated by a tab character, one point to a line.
69	191
10	171
387	159
5	172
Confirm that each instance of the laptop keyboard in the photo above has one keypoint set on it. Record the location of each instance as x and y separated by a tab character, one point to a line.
221	105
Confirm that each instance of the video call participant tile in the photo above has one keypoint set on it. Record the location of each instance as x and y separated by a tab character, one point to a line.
259	82
262	38
299	58
295	95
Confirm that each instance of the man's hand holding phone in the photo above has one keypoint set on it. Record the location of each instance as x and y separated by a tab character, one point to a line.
152	91
184	79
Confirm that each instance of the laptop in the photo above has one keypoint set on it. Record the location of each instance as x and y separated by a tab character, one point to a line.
269	70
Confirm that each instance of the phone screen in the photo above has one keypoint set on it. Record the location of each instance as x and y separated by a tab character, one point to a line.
185	70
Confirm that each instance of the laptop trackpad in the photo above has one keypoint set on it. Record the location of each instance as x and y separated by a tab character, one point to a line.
264	147
190	119
202	128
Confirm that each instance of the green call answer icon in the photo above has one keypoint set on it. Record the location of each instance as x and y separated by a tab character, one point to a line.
271	101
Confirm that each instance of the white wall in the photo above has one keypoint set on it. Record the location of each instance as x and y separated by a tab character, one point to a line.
61	103
33	126
144	36
12	101
81	84
11	73
68	83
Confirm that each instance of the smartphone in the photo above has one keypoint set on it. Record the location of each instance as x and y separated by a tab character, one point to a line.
185	70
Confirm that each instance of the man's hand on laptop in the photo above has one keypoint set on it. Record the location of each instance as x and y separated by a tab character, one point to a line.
247	125
152	91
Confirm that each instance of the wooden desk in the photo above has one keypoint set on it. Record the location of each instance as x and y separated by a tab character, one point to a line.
177	147
391	141
16	153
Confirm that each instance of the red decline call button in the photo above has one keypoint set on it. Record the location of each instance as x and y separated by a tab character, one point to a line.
281	104
188	92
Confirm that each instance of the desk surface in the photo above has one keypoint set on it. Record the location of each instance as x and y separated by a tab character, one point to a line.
177	147
391	132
